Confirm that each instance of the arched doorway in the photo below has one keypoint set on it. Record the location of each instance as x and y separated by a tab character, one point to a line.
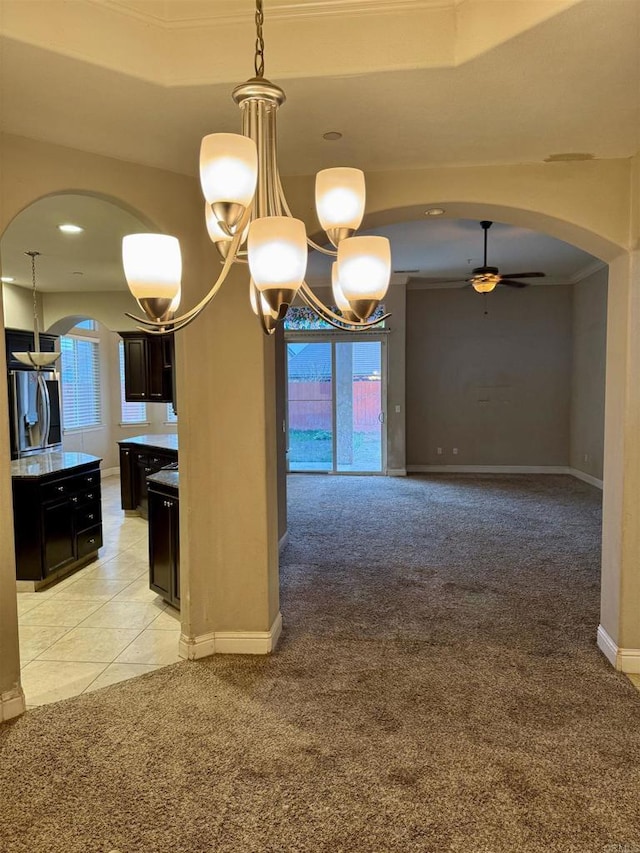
82	298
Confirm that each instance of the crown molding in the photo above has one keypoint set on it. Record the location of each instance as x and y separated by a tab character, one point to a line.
283	10
591	268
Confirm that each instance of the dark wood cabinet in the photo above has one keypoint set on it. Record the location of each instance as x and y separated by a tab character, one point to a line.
57	521
21	340
137	462
164	541
148	367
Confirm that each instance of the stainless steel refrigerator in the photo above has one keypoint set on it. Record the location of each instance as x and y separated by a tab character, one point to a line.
34	412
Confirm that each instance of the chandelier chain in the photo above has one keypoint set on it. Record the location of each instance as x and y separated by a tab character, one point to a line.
259	57
33	284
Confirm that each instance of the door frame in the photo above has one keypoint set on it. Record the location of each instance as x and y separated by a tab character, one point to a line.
322	337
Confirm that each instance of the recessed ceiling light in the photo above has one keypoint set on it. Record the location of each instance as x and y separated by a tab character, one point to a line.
7	279
332	135
68	228
434	211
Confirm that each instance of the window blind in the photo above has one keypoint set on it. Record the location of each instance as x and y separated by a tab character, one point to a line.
80	368
172	418
131	413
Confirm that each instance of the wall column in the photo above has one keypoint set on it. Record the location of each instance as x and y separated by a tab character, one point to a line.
228	478
11	695
619	631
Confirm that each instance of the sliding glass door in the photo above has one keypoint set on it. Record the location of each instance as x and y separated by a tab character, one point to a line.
335	406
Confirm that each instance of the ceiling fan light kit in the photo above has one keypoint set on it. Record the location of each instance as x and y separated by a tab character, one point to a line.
485	278
246	206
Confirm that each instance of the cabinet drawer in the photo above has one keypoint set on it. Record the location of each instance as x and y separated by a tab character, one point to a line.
60	488
81	483
86	497
89	540
87	515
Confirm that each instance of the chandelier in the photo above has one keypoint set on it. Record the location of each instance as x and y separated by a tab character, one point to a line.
249	221
35	358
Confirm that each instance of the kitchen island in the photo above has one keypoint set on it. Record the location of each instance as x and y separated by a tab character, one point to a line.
57	515
141	456
164	535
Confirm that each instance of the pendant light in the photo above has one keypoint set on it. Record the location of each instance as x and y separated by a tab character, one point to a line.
35	358
248	219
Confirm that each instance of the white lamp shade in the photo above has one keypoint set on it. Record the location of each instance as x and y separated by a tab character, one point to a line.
228	168
340	198
215	232
485	283
277	252
338	294
175	302
364	267
253	299
152	265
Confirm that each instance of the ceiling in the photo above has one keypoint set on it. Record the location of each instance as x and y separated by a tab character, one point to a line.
409	84
69	262
402	96
424	252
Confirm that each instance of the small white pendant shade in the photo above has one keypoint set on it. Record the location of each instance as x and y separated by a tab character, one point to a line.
277	249
340	198
364	267
228	168
152	265
338	294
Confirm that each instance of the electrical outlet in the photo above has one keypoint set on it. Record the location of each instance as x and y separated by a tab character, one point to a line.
397	410
439	451
455	451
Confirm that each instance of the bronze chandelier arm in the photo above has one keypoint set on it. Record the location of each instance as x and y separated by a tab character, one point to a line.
283	201
158	327
309	298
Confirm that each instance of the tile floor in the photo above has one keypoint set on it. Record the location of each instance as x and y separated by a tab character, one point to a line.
101	625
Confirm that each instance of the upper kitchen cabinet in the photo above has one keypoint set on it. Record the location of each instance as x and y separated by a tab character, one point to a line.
148	367
21	340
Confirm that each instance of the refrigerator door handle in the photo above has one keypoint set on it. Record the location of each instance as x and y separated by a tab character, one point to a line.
46	409
14	414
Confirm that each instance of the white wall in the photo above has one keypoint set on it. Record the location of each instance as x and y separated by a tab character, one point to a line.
589	331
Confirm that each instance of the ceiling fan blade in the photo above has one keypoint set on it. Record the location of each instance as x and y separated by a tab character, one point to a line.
509	283
524	275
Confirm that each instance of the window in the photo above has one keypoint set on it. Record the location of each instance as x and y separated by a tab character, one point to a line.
131	413
304	319
80	382
172	418
87	325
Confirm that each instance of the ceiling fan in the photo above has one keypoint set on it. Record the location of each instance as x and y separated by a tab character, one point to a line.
485	278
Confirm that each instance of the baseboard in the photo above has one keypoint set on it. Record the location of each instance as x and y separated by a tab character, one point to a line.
487	469
110	472
505	469
624	660
283	540
231	642
12	704
396	472
586	478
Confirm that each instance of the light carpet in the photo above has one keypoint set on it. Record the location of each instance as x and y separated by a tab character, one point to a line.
437	688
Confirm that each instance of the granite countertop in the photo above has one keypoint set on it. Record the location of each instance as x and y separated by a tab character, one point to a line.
42	464
162	442
165	478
